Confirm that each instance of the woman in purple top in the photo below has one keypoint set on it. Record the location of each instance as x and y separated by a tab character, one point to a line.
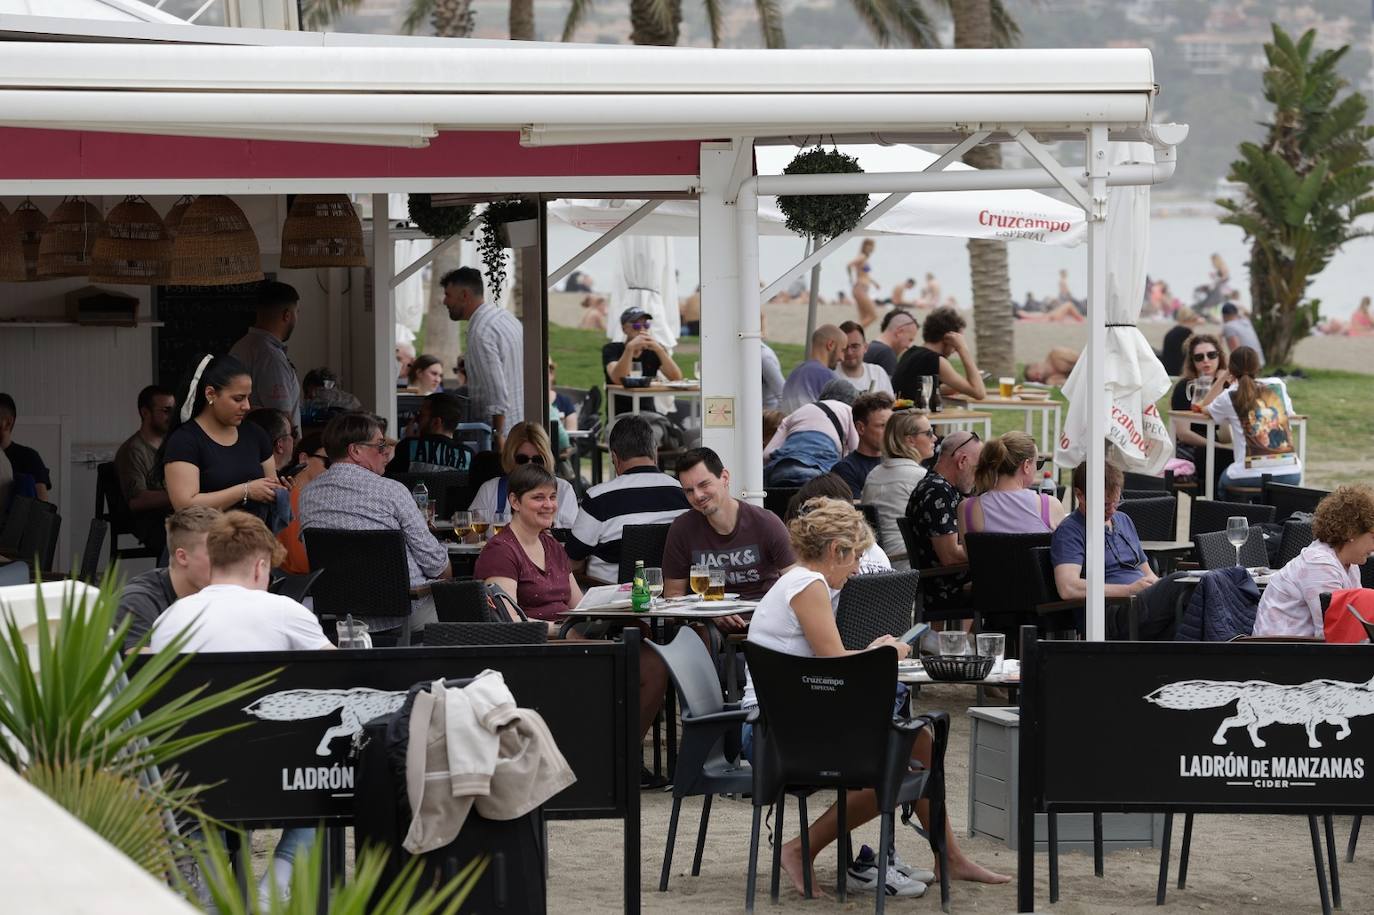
524	559
1006	503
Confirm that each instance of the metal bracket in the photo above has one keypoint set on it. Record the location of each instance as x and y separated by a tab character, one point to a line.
1056	171
602	241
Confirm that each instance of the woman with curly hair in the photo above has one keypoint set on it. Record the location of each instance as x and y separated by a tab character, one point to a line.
1343	539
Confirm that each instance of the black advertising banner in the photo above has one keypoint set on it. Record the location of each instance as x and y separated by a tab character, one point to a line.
1250	726
293	763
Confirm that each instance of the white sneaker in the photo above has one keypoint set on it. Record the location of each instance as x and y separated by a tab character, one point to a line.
912	873
865	878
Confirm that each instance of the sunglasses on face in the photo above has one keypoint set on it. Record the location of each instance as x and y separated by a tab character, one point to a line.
1203	357
528	459
927	432
639	325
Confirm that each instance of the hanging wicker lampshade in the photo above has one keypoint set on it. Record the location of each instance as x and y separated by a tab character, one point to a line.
322	230
66	242
178	210
214	245
135	246
11	250
29	220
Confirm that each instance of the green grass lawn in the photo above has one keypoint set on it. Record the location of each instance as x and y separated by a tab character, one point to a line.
1337	404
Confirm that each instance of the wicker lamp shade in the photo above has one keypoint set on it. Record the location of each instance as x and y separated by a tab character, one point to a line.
322	230
29	221
214	245
135	246
11	250
66	242
178	210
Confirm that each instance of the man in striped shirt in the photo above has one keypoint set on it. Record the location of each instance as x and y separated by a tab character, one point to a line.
638	494
495	352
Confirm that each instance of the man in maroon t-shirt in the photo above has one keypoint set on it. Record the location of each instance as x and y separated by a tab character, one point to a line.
749	543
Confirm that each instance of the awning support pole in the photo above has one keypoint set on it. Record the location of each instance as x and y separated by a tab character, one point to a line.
1060	174
383	316
1095	507
874	213
610	235
419	262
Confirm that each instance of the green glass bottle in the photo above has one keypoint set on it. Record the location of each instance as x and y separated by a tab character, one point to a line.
639	593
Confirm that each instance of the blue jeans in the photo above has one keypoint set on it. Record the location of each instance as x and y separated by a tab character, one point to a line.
1227	480
293	840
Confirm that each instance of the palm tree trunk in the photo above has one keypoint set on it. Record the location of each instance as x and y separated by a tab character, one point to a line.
647	28
994	337
522	20
453	18
441	332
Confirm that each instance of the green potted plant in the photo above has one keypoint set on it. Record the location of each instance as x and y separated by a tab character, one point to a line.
437	222
501	220
822	216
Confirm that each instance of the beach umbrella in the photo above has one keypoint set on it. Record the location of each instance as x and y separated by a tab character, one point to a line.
647	281
1137	437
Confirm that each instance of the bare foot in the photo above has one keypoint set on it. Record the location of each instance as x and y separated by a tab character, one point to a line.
965	869
792	866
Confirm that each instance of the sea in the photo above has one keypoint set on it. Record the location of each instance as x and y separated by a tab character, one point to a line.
1182	239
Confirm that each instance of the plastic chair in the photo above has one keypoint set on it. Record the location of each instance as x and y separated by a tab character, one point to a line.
365	573
708	756
462	602
533	632
879	603
1154	518
1209	515
1214	551
1287	498
295	586
110	506
1296	537
641	542
90	556
923	613
15	523
38	542
828	723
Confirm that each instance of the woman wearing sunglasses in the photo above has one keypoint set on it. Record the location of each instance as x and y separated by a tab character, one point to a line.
526	444
1202	355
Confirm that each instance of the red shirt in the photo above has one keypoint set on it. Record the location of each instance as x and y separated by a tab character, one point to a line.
541	593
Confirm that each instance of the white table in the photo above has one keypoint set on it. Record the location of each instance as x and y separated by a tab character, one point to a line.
1050	410
690	392
962	419
1296	422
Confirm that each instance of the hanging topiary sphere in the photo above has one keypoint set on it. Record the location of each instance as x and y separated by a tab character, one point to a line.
822	216
437	222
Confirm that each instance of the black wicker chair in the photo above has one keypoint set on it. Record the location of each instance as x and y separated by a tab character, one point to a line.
879	603
1214	551
449	490
38	542
1145	481
1296	537
1009	585
1287	498
1209	515
641	542
1154	519
1132	495
15	522
110	506
708	759
294	585
507	633
90	556
923	613
462	602
1367	574
365	573
778	498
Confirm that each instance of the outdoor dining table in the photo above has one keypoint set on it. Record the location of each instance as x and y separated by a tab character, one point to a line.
962	419
1051	415
688	389
1169	550
1299	424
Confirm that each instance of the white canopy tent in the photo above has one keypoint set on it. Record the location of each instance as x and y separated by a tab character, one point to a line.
390	92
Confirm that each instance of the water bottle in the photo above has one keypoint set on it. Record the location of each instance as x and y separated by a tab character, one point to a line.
639	592
421	495
1047	484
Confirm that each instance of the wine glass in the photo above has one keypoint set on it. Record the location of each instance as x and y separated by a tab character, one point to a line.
462	524
653	578
498	521
479	522
1237	532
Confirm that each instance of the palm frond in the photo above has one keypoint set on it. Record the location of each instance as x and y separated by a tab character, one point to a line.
417	14
770	21
317	15
1006	31
713	20
577	12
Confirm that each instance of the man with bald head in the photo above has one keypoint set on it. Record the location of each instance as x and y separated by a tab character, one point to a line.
806	381
934	510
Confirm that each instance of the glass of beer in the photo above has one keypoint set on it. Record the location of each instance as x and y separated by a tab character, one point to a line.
498	521
700	579
1005	386
715	586
479	522
462	524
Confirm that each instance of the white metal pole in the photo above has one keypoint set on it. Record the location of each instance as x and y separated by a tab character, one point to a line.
721	311
1097	374
751	357
383	316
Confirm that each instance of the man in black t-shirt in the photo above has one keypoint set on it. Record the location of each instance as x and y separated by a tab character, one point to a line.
433	449
942	336
23	460
640	346
871	413
188	570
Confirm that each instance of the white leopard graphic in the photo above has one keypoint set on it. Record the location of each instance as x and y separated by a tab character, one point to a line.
1260	704
359	705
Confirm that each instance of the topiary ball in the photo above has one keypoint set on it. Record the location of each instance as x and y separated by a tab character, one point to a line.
438	222
822	216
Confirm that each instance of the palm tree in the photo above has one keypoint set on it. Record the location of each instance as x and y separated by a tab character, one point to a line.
450	18
985	24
